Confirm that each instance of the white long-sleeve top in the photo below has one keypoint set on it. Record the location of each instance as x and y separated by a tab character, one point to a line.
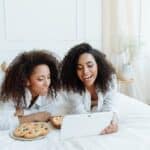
55	106
81	103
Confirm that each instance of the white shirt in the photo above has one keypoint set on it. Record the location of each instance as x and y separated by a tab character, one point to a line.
55	106
82	103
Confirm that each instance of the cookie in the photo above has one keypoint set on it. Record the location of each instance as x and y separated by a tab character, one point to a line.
22	130
33	133
57	121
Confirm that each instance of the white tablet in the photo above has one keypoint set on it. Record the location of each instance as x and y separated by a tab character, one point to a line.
80	125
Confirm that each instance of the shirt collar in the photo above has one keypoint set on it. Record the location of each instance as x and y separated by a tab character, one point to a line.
28	98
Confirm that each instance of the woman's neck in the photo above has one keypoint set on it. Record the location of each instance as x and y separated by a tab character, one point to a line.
91	89
94	96
93	93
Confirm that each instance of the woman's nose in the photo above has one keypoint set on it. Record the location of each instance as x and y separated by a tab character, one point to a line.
85	70
47	82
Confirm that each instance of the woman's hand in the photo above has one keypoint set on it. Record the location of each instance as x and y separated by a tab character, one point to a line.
111	128
19	112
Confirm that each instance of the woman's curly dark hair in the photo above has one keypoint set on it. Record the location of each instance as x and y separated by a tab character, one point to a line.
69	78
20	69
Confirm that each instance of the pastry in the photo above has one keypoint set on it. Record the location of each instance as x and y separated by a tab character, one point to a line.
57	121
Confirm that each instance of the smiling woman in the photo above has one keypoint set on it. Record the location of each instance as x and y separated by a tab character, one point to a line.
87	69
29	88
89	82
39	81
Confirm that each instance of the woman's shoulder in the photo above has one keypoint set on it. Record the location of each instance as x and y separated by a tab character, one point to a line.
113	82
8	105
72	94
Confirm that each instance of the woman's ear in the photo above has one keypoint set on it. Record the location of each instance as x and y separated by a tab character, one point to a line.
28	83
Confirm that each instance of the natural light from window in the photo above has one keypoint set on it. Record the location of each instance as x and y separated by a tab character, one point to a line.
145	27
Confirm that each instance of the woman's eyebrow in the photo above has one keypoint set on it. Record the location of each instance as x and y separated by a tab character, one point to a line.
88	63
79	65
43	76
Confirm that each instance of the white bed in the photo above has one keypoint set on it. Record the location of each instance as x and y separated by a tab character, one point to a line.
133	134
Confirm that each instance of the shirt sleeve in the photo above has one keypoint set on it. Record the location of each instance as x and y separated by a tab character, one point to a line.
76	103
110	100
58	105
7	118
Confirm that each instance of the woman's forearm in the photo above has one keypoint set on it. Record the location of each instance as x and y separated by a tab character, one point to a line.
27	118
40	116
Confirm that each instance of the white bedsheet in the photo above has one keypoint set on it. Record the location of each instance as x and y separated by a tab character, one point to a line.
133	134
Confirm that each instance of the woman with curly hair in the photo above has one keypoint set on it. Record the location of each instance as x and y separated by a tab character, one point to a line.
29	90
89	82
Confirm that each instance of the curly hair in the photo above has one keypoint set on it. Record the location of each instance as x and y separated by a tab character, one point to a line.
20	69
69	78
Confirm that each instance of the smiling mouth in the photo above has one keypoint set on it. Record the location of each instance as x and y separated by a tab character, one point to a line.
87	78
45	90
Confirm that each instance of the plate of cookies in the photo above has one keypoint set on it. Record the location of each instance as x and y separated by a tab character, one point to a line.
30	131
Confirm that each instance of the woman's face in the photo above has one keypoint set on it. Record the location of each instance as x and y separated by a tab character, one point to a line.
39	81
87	69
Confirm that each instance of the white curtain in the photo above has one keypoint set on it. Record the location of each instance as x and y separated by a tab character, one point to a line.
121	41
120	18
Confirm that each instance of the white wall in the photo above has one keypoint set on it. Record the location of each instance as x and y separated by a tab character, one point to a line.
51	24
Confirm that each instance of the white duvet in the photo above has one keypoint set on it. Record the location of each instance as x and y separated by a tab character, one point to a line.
133	134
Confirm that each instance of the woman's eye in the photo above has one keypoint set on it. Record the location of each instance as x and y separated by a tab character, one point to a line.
90	66
40	79
79	68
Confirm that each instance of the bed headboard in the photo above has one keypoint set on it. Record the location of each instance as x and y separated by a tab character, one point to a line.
3	69
3	66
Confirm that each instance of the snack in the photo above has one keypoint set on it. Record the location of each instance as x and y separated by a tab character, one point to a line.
31	130
57	121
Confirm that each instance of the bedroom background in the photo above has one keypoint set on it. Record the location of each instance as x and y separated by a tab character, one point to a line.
120	28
